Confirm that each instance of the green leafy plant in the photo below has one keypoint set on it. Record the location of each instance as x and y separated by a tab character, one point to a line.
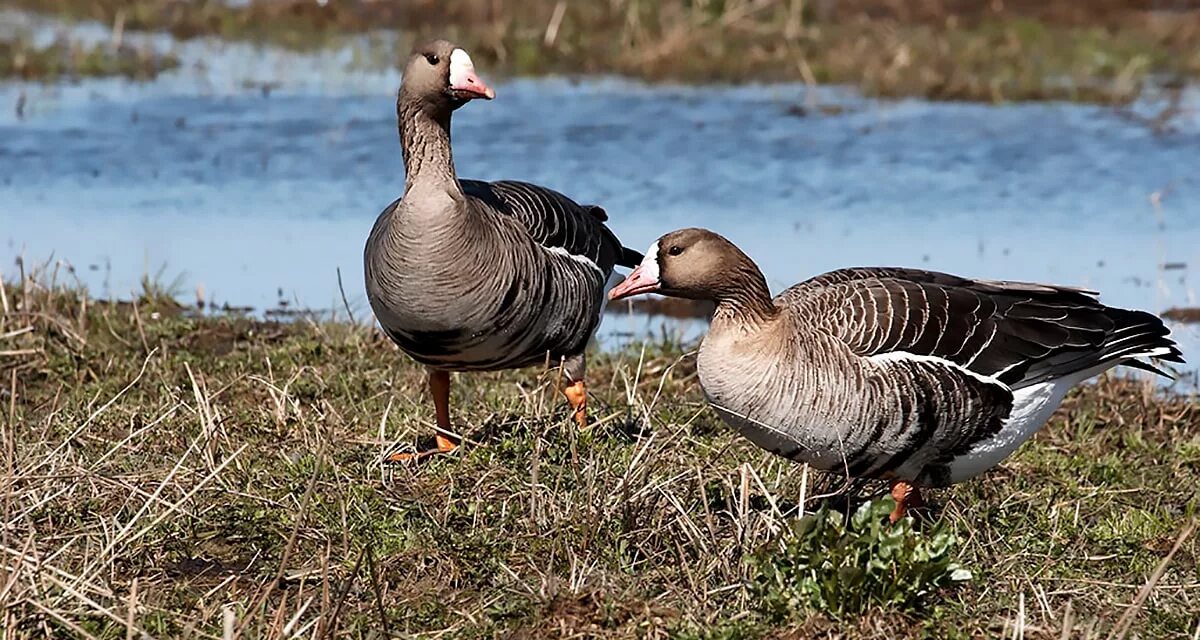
824	563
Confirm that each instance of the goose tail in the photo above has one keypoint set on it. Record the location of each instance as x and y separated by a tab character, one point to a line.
630	258
1140	335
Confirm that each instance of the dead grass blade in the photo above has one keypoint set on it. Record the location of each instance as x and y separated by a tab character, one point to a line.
1126	621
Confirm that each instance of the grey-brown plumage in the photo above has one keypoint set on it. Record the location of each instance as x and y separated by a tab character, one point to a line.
466	275
902	374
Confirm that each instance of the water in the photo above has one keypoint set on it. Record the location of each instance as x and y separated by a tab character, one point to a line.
259	195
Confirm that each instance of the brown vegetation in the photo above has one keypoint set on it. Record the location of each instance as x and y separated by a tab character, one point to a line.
943	49
198	476
66	59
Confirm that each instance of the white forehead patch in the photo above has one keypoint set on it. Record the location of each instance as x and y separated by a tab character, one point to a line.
461	67
649	265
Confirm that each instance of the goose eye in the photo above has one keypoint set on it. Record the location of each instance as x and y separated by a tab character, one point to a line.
675	250
431	58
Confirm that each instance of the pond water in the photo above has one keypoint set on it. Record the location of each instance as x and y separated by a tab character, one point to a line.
259	195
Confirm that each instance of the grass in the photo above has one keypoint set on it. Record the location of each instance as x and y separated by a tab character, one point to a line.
66	59
843	567
1105	52
193	476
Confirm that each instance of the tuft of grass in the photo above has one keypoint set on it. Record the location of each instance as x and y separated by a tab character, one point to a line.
823	563
191	475
993	52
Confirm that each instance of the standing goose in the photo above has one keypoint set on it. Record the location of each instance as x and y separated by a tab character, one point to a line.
916	377
477	276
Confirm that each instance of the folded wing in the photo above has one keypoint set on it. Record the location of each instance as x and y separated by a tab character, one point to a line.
554	221
1019	333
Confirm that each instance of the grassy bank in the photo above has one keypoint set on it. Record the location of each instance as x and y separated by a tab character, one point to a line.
1101	51
66	59
194	476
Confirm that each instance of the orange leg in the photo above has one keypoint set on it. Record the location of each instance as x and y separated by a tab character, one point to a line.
576	394
907	497
439	387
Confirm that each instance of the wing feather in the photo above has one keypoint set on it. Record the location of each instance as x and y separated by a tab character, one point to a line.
1021	333
554	221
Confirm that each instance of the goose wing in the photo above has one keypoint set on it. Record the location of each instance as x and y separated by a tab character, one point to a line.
1016	332
554	221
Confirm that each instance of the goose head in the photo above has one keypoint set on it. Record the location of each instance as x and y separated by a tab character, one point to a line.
441	75
691	263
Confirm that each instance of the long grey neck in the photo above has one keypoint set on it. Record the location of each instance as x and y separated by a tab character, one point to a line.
746	297
425	143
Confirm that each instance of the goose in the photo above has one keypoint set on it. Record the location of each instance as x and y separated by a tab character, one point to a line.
465	275
920	378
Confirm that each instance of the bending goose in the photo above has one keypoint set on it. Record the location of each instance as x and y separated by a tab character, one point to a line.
476	276
917	377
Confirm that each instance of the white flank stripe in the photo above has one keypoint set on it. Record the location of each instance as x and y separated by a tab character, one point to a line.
900	356
576	257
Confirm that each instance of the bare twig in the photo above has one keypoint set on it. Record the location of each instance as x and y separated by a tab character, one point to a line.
345	302
556	18
291	543
383	619
1126	620
331	627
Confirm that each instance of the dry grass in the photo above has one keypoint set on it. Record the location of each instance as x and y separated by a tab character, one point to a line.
173	475
941	49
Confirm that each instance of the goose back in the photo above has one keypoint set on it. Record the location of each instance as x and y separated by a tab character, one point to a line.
1016	332
553	221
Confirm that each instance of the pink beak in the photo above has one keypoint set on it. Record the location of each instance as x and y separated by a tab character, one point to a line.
636	283
471	84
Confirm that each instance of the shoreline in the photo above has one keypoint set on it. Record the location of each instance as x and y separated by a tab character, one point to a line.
990	56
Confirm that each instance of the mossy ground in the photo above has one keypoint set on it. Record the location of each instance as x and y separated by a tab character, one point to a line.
193	476
1100	51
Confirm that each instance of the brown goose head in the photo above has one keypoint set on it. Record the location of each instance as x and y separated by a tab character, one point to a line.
441	76
697	264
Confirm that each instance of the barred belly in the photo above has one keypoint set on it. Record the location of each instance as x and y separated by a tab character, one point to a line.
525	322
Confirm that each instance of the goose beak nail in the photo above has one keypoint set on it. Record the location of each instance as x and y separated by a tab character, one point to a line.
471	85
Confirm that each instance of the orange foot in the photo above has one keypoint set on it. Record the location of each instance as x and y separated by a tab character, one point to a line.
906	497
576	394
444	445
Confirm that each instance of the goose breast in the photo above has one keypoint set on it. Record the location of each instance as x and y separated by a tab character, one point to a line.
483	299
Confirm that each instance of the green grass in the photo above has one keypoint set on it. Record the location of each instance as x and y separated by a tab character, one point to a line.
993	52
186	474
843	567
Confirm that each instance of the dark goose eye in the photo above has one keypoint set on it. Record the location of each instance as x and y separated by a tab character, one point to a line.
675	250
432	58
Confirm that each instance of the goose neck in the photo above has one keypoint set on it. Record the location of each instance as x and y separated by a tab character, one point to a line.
425	143
746	299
